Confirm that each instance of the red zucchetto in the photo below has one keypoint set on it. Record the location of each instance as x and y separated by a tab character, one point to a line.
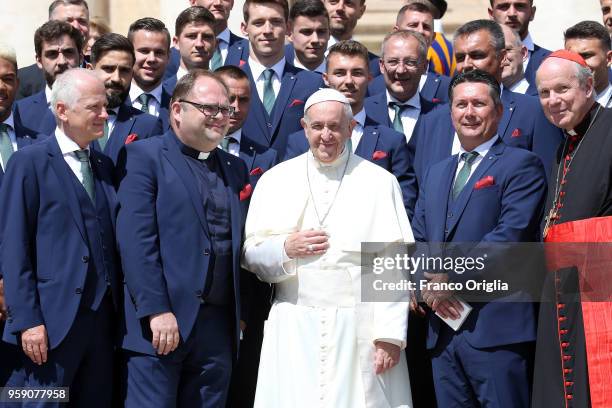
570	56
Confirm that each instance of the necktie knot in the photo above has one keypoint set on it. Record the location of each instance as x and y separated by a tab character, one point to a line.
82	155
469	157
398	108
227	140
144	99
464	173
4	127
268	74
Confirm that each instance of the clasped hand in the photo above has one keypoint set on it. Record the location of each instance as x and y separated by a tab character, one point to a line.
439	300
306	243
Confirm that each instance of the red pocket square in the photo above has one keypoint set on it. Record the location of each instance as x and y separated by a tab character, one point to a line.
379	154
436	100
131	138
296	102
241	63
484	182
246	192
256	171
517	132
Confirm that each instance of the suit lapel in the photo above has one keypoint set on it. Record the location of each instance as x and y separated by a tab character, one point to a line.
287	84
174	155
123	126
247	153
257	109
235	212
367	144
381	112
509	107
430	87
466	193
62	171
440	202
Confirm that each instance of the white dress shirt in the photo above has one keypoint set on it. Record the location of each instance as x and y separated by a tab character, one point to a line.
223	40
520	87
10	121
482	151
234	146
409	116
154	102
48	94
528	43
423	78
111	120
603	98
359	117
68	147
320	69
258	74
181	72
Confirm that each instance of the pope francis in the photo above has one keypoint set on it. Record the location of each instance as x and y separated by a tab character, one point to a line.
323	346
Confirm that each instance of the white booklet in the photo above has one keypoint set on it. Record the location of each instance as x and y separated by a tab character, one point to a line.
455	324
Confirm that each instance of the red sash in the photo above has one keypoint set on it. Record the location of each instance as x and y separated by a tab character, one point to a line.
594	264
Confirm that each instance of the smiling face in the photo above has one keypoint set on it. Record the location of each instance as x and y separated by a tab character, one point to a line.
350	75
266	31
8	87
563	99
474	114
327	128
309	36
152	53
417	21
476	51
401	67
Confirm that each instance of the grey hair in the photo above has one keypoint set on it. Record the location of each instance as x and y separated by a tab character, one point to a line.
8	53
406	34
348	112
583	74
66	89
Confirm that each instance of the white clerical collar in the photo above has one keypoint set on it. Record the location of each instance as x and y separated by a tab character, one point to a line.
136	91
360	117
603	98
482	149
224	35
257	69
320	69
10	121
66	144
414	101
180	73
237	135
203	155
48	94
340	160
528	42
520	86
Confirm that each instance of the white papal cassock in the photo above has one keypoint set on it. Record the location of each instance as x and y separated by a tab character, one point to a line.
318	348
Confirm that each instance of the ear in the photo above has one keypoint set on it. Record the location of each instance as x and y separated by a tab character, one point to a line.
524	52
490	11
303	123
175	112
290	32
243	28
38	62
362	9
325	79
608	58
533	11
590	90
89	66
60	111
395	28
352	126
175	41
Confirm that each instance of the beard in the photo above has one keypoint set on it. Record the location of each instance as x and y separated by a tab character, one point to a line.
115	94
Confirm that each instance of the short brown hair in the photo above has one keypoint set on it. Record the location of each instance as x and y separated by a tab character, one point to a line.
193	15
283	3
351	48
187	82
53	30
231	71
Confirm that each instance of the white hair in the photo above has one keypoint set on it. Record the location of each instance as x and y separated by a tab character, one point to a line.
348	111
8	53
66	87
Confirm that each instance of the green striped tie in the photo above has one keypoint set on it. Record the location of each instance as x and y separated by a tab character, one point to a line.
464	174
86	173
397	120
216	60
269	97
6	146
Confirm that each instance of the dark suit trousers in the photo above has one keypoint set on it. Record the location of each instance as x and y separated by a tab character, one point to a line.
83	361
196	374
10	361
495	377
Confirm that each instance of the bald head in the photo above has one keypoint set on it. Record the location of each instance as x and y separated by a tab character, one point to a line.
566	91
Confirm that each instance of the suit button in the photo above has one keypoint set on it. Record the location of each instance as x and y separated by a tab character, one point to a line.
198	293
446	231
269	125
450	215
85	259
78	291
206	252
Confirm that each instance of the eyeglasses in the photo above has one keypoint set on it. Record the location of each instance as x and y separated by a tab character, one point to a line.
408	63
211	110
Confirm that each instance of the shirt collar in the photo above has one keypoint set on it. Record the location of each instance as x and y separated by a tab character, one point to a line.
320	69
604	97
237	135
414	101
257	69
528	42
520	87
191	152
10	121
360	117
181	72
66	144
136	91
482	149
224	35
48	94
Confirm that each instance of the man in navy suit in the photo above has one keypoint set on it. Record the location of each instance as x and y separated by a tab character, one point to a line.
490	192
151	41
418	17
279	89
194	37
61	269
225	38
308	35
343	18
179	229
112	57
513	74
58	47
13	136
480	44
74	12
403	61
517	14
348	73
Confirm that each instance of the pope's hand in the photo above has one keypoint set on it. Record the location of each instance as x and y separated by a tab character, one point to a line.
387	356
306	243
165	331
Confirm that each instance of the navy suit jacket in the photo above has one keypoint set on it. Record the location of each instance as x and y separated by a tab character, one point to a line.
380	145
537	56
35	114
435	88
31	81
129	121
522	125
373	58
376	108
25	137
45	250
164	106
258	158
164	237
175	57
507	211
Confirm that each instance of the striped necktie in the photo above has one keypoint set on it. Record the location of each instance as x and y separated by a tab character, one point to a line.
6	146
86	173
397	119
464	174
144	99
268	95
